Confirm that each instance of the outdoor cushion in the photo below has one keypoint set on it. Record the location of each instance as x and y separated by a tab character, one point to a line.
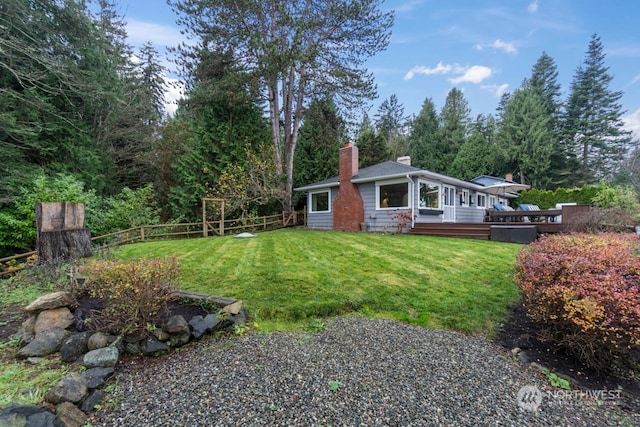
499	207
528	207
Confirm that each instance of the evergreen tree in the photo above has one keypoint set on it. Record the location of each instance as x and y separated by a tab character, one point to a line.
524	139
476	157
544	82
390	124
424	142
321	136
454	121
372	148
593	131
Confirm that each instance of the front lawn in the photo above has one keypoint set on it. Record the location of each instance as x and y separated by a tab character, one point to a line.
289	276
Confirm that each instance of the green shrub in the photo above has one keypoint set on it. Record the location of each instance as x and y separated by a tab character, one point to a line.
583	291
135	293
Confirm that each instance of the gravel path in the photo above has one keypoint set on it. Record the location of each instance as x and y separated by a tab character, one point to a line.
389	374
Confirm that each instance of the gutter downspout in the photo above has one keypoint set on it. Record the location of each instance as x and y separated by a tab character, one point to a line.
412	184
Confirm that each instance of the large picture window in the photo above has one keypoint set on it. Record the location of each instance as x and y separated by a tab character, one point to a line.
394	195
319	202
429	195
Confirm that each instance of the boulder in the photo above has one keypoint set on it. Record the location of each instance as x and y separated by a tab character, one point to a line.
161	334
106	357
70	415
100	340
42	419
25	410
153	347
52	301
97	376
175	325
201	325
232	308
72	388
44	343
13	420
177	340
75	346
54	318
92	400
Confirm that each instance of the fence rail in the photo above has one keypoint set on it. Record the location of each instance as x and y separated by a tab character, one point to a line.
11	264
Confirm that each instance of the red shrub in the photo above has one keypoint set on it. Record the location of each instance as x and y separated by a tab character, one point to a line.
583	292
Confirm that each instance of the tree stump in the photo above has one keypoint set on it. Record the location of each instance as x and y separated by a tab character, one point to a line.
62	234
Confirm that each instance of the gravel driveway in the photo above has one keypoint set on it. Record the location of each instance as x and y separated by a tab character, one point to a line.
357	372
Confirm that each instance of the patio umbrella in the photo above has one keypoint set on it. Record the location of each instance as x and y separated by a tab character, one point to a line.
504	188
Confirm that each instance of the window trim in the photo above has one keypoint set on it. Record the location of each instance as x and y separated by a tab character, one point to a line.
310	200
439	198
392	182
478	206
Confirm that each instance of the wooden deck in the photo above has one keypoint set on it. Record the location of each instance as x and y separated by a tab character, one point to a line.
480	230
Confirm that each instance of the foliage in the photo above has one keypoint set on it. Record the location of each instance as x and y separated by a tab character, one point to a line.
476	157
390	124
402	219
583	291
255	183
593	130
454	122
321	136
135	293
335	386
18	223
547	199
294	51
372	148
294	275
127	209
424	144
34	382
556	380
524	137
614	220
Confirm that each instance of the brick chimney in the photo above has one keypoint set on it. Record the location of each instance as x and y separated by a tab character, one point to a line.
348	207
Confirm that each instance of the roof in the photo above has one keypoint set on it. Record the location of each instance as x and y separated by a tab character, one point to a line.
486	180
389	170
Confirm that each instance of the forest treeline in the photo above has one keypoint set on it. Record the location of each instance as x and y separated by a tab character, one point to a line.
83	118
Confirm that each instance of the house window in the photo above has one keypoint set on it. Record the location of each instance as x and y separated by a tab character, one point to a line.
464	198
482	200
319	202
393	195
492	201
429	195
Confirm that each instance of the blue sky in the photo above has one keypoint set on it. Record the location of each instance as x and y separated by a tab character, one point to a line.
482	47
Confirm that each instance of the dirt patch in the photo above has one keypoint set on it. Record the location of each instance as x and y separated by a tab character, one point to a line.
521	332
11	317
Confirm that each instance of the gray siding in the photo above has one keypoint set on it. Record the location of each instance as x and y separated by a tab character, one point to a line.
377	220
322	220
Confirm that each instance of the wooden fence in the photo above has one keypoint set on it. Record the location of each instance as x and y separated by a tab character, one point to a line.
10	265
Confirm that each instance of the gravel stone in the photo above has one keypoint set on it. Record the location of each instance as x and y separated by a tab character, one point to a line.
358	372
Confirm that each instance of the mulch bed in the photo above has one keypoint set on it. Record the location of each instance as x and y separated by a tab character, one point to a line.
521	329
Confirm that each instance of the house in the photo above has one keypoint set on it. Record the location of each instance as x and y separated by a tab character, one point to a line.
372	198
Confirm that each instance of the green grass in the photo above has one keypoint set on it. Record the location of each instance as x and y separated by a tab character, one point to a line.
26	384
290	276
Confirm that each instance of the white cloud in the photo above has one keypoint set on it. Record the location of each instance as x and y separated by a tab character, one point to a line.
497	90
499	45
632	123
533	7
140	32
421	69
174	90
473	74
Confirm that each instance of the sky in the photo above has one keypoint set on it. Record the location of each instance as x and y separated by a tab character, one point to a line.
482	47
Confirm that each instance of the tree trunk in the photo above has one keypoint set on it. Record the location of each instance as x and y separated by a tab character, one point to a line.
61	234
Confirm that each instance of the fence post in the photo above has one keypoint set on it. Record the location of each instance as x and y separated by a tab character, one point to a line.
142	233
205	229
222	219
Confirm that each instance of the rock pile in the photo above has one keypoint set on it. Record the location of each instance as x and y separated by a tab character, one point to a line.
56	323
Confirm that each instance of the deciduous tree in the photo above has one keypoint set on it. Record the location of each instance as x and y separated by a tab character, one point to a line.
293	51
